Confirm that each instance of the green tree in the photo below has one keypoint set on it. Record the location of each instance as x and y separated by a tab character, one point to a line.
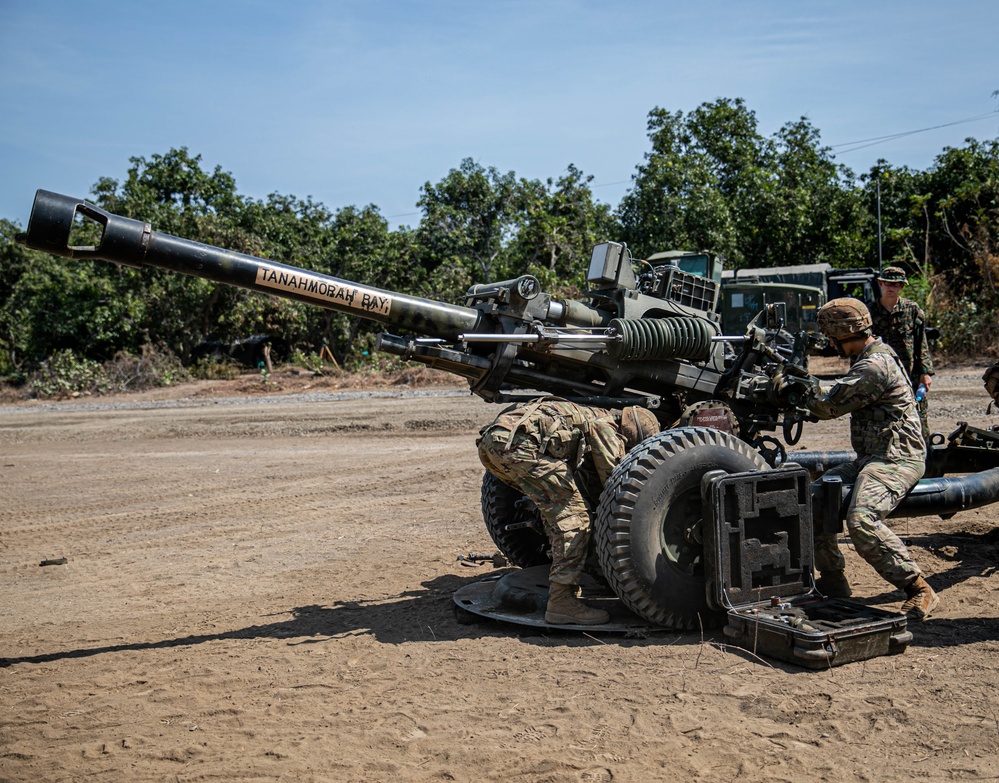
888	192
176	196
809	210
286	229
48	304
468	218
677	201
712	181
558	224
963	185
942	221
172	192
942	225
15	261
364	250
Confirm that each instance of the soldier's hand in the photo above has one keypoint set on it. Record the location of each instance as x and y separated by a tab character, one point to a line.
806	388
793	391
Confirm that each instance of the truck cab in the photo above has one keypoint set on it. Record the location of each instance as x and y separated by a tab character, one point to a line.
800	290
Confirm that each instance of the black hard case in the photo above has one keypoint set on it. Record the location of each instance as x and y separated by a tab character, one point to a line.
759	557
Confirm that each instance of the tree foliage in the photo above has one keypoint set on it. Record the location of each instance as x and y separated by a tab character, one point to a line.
558	224
942	225
710	180
468	218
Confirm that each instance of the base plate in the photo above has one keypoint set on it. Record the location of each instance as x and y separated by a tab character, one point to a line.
520	595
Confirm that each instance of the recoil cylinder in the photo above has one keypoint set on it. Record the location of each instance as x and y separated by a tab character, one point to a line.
680	337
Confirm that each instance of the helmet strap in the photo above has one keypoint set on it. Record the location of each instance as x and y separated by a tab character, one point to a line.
840	342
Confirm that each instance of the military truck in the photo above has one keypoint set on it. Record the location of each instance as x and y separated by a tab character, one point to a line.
798	291
695	262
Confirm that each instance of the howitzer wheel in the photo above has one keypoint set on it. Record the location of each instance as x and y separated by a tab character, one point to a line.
504	507
648	529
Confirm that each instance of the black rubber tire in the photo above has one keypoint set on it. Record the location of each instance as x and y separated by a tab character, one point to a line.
651	499
524	547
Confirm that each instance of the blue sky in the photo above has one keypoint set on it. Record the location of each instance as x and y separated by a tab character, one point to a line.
354	102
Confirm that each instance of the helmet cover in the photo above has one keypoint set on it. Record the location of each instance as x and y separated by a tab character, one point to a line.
844	318
637	424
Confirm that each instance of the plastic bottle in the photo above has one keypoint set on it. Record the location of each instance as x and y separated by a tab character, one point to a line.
921	392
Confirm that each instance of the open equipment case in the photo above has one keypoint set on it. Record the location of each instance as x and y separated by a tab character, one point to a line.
759	557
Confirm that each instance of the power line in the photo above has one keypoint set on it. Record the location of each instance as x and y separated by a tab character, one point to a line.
608	184
863	143
853	146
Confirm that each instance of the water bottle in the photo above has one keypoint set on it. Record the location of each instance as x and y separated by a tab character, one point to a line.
921	392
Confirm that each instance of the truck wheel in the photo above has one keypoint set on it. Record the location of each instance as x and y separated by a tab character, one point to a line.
649	523
503	507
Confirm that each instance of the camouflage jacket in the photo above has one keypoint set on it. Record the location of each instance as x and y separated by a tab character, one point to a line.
883	422
904	329
991	381
569	432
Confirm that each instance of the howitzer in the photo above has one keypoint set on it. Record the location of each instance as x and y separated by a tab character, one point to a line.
649	338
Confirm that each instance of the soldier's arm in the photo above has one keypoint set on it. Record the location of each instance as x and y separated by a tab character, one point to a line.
606	448
861	387
922	361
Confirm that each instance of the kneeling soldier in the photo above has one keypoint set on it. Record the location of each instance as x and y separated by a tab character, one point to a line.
537	449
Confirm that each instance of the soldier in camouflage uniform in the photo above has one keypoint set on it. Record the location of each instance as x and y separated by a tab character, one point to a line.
537	448
901	324
885	432
991	381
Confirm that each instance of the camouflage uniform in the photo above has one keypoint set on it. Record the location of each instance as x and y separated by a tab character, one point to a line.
904	329
891	457
991	381
537	449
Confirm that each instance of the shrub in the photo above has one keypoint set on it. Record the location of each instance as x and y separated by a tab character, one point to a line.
66	374
215	369
153	368
968	328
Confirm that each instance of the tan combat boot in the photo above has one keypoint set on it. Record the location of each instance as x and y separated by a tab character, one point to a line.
834	585
922	600
564	608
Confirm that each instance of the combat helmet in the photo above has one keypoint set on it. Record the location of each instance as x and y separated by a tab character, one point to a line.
841	319
637	424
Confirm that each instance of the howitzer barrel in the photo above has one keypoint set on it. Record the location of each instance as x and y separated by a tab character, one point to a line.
134	243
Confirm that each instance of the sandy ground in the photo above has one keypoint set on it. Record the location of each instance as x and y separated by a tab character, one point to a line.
259	588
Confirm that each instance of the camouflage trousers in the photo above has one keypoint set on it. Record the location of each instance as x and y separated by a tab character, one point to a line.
878	486
548	482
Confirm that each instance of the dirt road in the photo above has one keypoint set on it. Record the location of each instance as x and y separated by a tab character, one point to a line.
260	589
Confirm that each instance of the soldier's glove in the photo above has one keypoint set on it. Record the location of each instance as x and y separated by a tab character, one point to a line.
991	380
793	390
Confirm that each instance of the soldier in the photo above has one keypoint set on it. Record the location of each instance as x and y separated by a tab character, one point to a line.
891	456
537	448
901	323
991	381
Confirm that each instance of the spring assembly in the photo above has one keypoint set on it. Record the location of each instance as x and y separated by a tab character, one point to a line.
681	337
